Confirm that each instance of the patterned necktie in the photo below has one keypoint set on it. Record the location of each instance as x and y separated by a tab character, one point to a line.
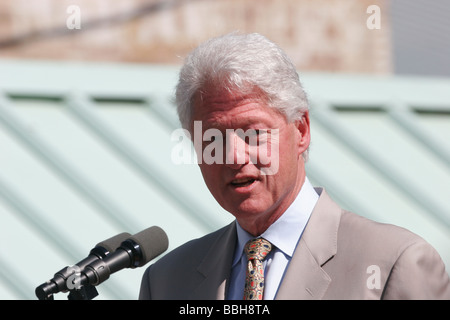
256	251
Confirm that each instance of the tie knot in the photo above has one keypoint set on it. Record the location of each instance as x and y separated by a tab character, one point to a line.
257	249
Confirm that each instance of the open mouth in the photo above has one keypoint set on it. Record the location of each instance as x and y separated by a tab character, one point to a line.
243	182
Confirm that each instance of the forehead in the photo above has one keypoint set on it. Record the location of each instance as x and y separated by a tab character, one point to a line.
231	109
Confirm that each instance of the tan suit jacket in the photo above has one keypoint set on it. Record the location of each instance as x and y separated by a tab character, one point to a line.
339	256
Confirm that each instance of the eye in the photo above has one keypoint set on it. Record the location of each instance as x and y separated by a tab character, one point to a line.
211	135
262	132
257	132
209	140
254	137
264	135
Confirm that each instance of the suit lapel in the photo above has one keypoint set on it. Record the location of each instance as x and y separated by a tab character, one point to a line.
216	266
305	278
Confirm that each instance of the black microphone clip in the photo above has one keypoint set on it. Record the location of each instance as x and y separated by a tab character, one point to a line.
68	278
119	252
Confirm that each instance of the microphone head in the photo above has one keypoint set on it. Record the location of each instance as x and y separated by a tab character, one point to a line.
111	244
152	241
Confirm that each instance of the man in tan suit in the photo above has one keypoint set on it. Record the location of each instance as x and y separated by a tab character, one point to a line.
242	94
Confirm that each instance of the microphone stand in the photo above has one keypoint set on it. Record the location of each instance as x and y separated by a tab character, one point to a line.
78	290
81	290
87	292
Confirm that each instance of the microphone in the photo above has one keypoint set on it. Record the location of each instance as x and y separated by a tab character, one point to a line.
59	282
134	252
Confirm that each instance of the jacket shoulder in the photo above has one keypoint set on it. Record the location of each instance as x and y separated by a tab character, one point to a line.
389	236
179	266
192	251
409	267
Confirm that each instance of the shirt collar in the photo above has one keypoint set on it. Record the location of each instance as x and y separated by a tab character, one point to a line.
285	232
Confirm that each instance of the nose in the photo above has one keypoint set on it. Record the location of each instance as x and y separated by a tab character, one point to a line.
236	151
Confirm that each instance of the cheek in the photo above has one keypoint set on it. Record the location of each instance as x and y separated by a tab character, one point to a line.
211	176
288	159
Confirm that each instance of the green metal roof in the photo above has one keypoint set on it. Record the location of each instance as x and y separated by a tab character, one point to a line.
86	154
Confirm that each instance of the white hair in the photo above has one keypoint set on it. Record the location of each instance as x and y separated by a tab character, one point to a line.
241	63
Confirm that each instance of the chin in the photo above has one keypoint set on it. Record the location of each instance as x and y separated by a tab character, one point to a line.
247	208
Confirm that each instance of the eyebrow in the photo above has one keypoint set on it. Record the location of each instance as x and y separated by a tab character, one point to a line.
249	124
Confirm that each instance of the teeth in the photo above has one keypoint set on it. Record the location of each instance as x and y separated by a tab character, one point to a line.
242	181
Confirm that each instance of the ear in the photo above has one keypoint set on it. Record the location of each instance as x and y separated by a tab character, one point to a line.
304	134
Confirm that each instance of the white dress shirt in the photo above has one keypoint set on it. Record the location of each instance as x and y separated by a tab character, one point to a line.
284	235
